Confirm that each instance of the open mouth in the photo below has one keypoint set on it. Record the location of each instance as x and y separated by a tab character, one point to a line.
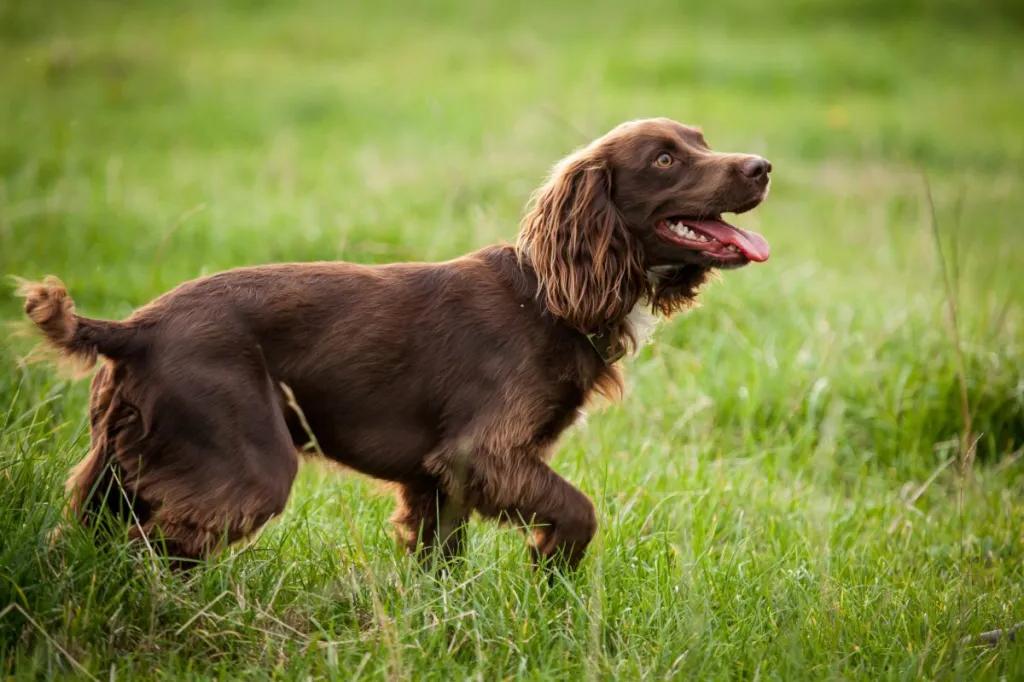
715	239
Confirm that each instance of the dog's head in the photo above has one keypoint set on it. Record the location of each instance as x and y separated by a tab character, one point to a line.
637	214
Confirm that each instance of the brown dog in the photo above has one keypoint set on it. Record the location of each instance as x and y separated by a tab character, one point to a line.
452	380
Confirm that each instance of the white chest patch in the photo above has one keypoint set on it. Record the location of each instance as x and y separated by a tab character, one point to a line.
642	323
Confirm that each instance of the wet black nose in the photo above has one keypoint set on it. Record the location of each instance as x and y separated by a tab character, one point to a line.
755	167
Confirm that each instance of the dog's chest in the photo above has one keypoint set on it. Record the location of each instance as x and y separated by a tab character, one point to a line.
641	323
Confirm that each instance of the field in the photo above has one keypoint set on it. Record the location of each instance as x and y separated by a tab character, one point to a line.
817	474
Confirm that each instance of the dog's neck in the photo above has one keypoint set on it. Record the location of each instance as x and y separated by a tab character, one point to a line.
673	287
641	323
636	331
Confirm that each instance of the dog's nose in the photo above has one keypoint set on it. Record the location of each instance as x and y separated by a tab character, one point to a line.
755	167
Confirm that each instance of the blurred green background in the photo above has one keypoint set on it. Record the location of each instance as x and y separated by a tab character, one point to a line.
783	492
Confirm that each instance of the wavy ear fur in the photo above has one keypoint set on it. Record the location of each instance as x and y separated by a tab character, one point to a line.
589	267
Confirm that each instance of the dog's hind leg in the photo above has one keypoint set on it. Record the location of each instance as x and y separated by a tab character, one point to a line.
95	483
203	450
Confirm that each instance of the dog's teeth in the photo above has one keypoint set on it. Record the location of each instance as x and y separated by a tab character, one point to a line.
685	232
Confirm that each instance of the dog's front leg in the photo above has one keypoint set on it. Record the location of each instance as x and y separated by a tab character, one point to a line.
428	518
526	490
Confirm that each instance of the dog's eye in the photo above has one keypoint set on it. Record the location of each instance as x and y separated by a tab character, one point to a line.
664	160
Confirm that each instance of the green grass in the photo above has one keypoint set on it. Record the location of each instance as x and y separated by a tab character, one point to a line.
781	494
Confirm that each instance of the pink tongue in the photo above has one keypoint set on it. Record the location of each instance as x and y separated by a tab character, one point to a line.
753	245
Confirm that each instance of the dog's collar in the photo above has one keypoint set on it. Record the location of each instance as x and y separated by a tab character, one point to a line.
611	350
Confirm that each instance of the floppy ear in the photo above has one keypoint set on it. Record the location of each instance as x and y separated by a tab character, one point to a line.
589	267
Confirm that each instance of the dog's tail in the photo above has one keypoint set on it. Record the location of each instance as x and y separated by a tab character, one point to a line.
50	307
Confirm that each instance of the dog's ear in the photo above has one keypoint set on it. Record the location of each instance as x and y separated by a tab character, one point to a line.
588	264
